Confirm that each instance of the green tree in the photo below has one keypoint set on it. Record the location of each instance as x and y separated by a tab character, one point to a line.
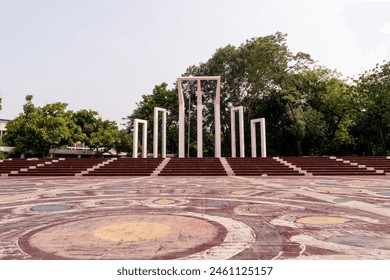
105	137
322	108
125	142
372	131
87	121
100	135
39	129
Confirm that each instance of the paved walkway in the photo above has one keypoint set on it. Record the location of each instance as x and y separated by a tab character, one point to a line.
195	218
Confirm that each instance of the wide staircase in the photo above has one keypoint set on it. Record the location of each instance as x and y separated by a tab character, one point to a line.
261	167
194	167
328	166
380	164
14	165
278	166
127	167
60	167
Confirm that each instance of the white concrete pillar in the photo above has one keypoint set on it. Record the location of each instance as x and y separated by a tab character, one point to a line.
217	119
262	137
164	132
164	136
240	110
217	115
199	117
181	119
233	133
144	123
144	140
135	139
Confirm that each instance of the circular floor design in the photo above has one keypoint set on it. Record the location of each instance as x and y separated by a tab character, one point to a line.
127	237
263	210
164	201
51	207
160	218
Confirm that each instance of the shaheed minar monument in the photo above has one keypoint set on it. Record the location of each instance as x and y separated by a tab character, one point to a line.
199	117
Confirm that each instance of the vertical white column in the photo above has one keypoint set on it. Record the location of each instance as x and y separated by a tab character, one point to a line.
181	119
144	140
155	132
253	138
217	119
199	116
240	110
135	139
233	131
164	135
262	137
241	131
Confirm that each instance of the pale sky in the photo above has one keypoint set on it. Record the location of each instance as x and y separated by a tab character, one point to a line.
104	54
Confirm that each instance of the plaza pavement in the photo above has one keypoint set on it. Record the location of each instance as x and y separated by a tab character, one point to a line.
195	218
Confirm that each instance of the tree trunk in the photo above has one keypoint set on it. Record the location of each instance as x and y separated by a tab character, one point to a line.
298	147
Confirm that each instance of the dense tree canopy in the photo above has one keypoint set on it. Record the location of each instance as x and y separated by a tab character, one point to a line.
372	130
96	133
309	109
38	129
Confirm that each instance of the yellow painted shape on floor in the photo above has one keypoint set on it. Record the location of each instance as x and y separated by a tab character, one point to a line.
11	198
132	231
322	220
242	192
164	201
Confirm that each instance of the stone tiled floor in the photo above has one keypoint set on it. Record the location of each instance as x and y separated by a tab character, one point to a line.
195	218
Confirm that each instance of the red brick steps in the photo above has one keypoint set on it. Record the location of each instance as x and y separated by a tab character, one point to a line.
127	167
283	166
328	166
260	167
193	167
60	167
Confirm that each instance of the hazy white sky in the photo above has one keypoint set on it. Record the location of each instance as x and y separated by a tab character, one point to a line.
104	54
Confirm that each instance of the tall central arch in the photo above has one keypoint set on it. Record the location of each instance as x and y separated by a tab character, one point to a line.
217	115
